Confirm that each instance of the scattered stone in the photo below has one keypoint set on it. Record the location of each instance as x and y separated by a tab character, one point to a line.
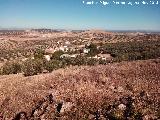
122	107
43	107
91	117
102	117
21	116
66	107
150	117
51	98
112	87
120	89
45	71
37	113
43	117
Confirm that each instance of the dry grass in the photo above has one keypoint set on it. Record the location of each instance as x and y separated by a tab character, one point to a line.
89	88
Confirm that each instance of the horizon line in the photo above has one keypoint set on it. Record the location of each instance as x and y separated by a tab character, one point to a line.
70	29
114	30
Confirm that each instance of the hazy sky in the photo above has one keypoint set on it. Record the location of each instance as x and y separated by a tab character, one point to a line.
73	14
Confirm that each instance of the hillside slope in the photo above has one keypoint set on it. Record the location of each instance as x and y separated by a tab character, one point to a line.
120	91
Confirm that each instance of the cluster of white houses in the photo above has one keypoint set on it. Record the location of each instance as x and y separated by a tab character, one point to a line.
67	48
98	56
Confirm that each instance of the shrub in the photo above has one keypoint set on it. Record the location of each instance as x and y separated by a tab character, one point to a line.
39	54
103	62
56	55
32	67
80	60
92	61
52	65
134	56
138	116
11	68
133	50
68	61
93	50
1	72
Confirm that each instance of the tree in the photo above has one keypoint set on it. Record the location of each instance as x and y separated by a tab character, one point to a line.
92	61
93	49
52	65
39	54
80	60
56	55
32	67
11	68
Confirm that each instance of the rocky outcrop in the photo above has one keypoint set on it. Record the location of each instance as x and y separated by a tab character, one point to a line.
49	108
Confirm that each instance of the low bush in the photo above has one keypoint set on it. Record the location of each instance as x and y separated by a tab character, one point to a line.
39	54
52	65
32	67
92	61
93	50
11	68
56	55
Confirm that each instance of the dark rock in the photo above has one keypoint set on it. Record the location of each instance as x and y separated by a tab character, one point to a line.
142	94
1	116
51	98
59	107
97	115
129	108
21	116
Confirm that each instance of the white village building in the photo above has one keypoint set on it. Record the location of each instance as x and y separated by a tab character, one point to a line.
47	57
85	50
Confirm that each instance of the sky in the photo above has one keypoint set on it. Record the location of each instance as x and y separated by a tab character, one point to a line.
74	14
